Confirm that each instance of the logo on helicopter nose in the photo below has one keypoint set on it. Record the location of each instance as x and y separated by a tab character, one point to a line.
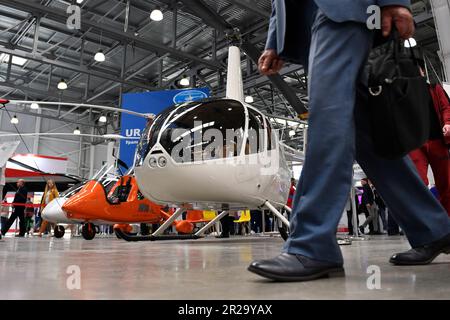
188	96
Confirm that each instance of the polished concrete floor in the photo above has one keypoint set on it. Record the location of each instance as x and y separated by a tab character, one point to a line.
35	268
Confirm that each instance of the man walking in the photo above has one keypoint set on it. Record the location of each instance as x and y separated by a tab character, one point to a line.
335	37
368	204
19	210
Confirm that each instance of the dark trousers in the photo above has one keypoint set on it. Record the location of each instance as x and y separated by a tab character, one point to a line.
3	221
17	213
256	221
227	224
350	221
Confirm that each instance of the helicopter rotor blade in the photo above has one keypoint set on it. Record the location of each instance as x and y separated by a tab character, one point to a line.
93	106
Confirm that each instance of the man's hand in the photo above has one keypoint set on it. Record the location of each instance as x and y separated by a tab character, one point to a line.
401	17
270	63
446	130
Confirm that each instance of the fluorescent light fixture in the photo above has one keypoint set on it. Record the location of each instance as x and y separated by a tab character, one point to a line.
156	15
185	81
102	119
14	120
292	133
249	99
410	43
99	56
34	106
15	60
77	131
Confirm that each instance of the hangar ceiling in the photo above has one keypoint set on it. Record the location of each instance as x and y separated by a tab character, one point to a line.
142	54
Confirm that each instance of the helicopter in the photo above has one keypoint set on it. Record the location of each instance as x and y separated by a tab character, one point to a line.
225	147
109	200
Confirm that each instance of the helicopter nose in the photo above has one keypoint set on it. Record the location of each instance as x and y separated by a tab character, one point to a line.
54	213
86	202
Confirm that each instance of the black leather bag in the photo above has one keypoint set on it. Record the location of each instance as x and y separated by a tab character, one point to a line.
398	100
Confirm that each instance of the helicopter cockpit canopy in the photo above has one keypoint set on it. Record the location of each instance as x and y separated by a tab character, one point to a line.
205	130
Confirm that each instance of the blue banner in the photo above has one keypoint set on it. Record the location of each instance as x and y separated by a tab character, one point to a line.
149	102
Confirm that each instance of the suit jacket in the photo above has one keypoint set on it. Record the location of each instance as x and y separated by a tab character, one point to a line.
291	21
367	196
20	197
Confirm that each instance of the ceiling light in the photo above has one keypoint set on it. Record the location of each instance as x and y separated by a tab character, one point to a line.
99	56
156	15
77	131
249	99
292	133
410	43
62	85
34	106
80	1
185	81
14	120
102	119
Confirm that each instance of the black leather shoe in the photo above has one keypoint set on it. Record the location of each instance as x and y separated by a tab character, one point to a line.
422	255
291	267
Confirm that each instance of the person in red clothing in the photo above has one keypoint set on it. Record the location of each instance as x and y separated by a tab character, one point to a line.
435	152
291	193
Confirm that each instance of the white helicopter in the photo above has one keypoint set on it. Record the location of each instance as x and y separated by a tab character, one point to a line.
248	171
213	172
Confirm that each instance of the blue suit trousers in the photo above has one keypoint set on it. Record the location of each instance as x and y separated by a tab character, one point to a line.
338	135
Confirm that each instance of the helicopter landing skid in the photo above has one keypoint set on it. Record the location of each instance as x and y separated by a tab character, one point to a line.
158	234
125	236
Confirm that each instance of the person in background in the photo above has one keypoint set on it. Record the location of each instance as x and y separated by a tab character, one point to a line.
37	220
368	201
256	221
381	208
290	199
29	214
4	214
227	224
18	209
349	209
435	152
50	193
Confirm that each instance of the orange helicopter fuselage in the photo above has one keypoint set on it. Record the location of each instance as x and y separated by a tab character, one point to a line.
123	204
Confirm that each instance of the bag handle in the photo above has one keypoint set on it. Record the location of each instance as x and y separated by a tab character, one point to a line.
398	48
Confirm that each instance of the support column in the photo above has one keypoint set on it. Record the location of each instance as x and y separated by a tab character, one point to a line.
91	157
37	129
109	158
441	13
80	157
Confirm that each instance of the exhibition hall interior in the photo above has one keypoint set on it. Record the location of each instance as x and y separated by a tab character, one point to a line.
153	149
